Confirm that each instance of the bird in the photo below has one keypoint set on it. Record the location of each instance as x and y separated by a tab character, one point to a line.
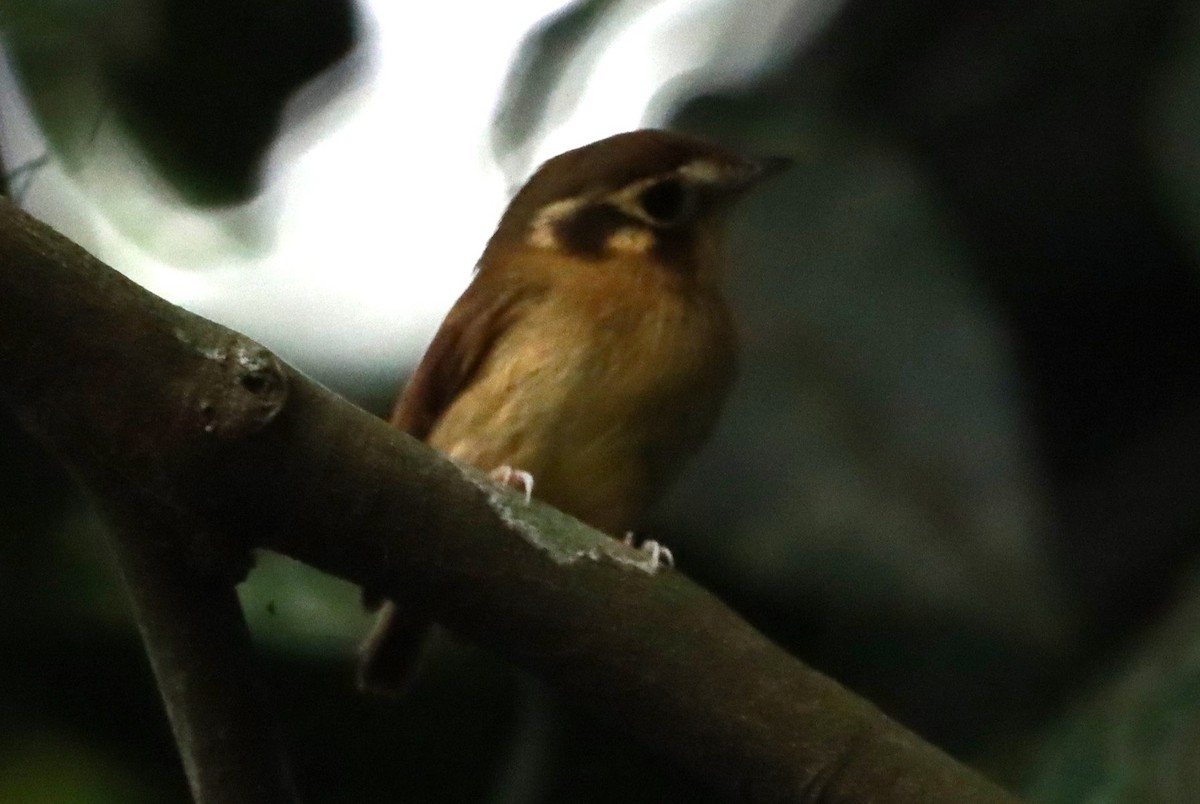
590	354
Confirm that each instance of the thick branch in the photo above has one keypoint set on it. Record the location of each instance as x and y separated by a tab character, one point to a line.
130	390
203	659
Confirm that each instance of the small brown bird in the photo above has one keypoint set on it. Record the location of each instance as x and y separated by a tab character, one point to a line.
590	354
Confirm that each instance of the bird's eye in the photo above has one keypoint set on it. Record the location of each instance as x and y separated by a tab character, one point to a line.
666	203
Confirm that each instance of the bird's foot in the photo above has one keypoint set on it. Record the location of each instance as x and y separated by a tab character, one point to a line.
660	555
516	478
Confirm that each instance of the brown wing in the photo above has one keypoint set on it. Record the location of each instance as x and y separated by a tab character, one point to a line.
471	329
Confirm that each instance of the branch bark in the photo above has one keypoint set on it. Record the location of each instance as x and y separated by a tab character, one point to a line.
203	660
136	394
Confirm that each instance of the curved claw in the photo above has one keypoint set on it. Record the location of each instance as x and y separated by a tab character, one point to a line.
660	555
517	478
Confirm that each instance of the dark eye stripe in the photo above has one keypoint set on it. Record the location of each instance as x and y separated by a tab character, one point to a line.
586	232
665	202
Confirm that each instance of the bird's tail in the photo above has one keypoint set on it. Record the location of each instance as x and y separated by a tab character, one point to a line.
389	656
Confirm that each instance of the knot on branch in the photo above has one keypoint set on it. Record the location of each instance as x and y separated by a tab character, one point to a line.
240	388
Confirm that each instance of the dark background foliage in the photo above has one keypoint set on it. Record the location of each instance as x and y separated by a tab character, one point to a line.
958	473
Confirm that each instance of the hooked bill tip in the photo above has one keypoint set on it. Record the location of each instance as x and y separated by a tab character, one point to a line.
753	170
768	166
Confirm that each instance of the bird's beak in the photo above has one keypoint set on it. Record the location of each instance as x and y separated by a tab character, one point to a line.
758	169
769	166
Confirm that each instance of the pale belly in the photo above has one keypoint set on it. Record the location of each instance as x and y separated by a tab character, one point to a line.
602	414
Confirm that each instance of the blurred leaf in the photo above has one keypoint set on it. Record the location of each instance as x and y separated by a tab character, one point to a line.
55	769
541	63
294	607
200	83
878	509
1136	740
56	568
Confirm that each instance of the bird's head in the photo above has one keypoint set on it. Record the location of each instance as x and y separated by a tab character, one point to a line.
644	194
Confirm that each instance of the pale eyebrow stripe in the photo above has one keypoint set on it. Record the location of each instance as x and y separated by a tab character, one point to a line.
631	240
704	171
543	230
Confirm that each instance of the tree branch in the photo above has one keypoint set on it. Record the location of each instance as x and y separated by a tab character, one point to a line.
200	649
134	393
